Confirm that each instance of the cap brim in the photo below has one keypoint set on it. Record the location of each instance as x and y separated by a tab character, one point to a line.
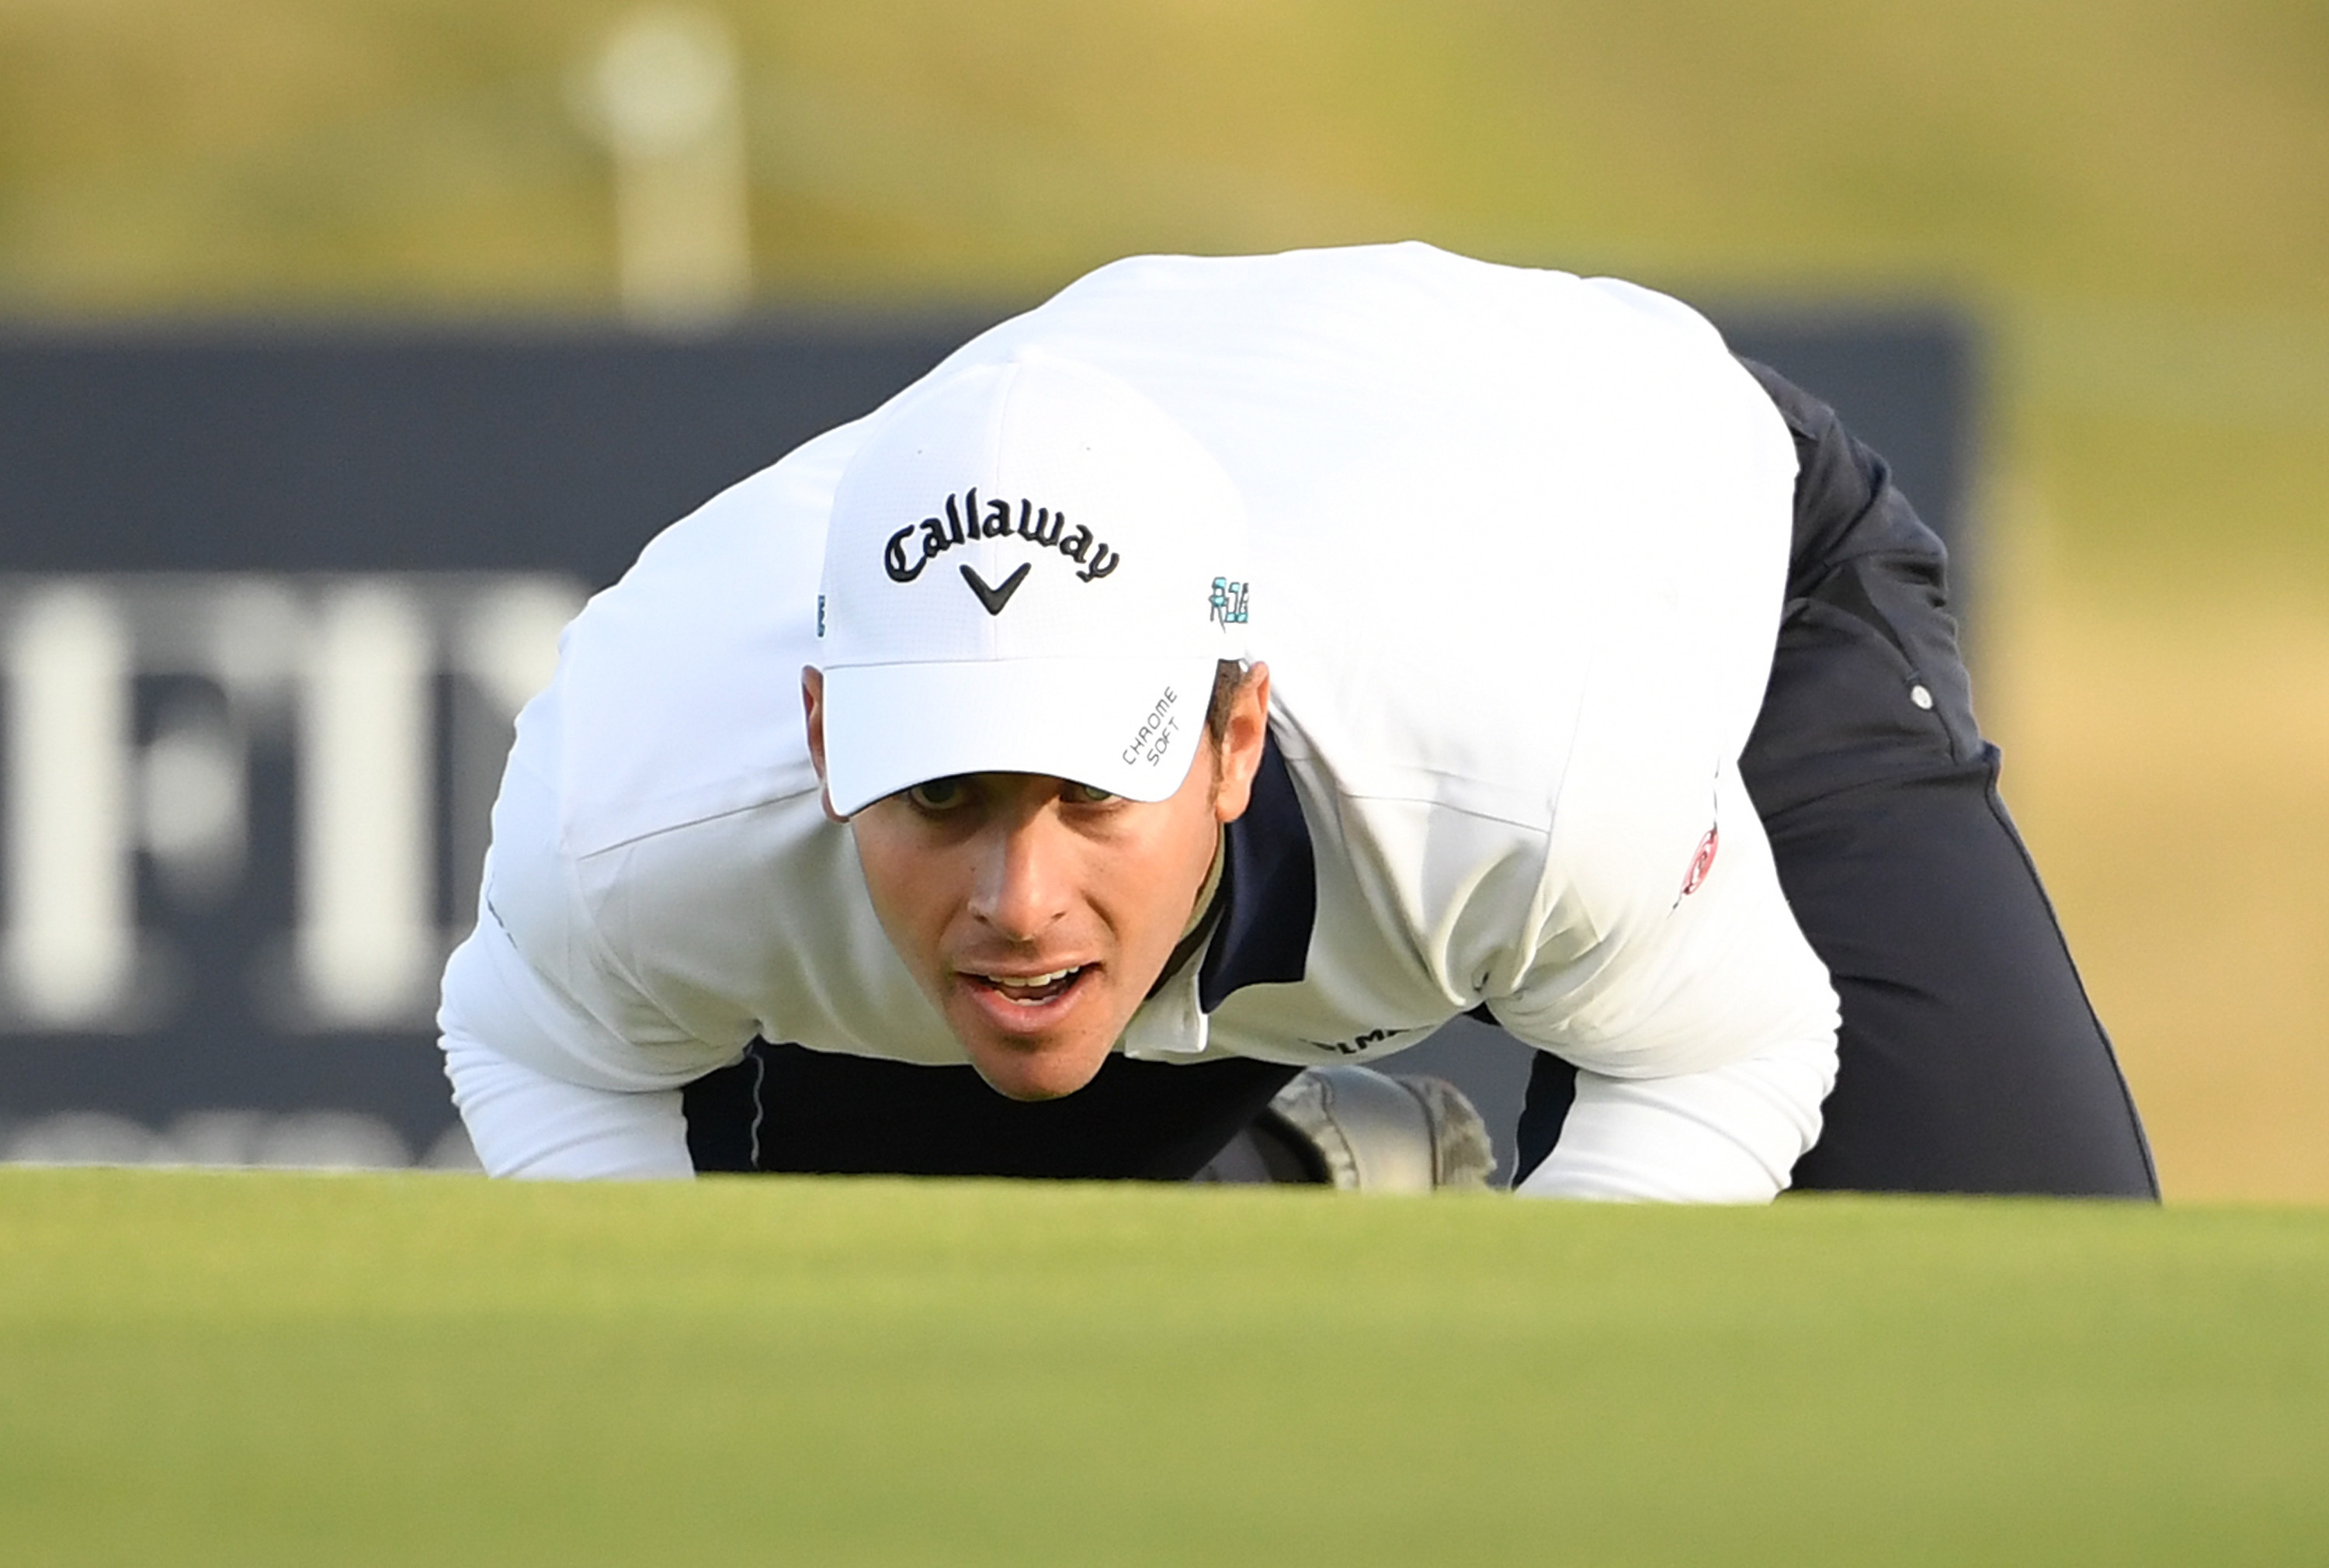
1126	726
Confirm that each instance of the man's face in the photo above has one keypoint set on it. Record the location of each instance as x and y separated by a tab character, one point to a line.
1036	913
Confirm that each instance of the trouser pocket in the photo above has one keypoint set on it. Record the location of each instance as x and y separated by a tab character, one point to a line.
1866	686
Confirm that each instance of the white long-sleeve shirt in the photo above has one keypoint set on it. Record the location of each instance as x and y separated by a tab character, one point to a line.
1522	538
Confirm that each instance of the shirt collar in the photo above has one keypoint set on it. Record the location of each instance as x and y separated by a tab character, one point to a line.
1269	899
1255	930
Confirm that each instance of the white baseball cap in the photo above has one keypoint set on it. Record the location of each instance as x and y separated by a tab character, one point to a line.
1029	568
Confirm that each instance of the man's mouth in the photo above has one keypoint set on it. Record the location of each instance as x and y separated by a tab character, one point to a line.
1031	989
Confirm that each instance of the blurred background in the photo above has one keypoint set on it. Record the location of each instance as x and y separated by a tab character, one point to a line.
2124	209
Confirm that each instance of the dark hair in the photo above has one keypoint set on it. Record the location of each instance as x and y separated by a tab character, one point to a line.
1229	678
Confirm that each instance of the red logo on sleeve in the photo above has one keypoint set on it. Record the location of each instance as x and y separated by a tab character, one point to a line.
1702	862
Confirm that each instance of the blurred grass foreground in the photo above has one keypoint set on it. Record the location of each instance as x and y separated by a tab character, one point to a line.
2133	199
261	1370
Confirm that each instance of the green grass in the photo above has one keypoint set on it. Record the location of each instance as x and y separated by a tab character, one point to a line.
161	153
2127	195
259	1369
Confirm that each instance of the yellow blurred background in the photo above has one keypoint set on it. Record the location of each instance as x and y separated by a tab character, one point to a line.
2131	200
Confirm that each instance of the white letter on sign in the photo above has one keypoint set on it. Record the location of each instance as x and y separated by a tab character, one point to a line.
72	942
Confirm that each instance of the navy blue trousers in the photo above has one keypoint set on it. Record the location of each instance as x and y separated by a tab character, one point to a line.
1969	1059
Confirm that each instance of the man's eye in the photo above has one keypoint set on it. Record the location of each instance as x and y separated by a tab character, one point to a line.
1087	795
938	794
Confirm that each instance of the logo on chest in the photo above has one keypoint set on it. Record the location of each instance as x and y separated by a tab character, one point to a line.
1702	862
1352	1048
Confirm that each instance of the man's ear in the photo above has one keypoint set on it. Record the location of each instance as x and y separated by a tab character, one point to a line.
1242	744
812	714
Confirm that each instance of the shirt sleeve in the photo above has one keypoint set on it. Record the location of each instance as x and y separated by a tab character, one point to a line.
1661	956
577	1105
1725	1135
525	1124
561	1066
1673	973
565	1031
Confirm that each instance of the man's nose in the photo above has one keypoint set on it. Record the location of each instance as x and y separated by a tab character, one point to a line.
1023	884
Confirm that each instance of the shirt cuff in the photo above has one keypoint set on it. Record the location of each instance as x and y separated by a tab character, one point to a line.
525	1124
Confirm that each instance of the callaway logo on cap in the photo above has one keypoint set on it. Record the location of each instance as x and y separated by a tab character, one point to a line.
912	549
1025	572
